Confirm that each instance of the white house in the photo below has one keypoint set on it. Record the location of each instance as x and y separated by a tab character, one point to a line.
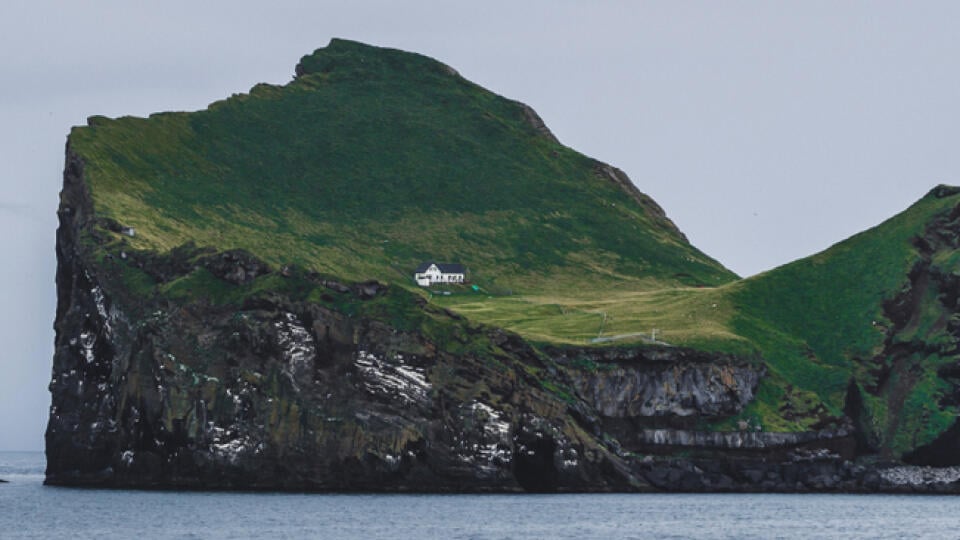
430	273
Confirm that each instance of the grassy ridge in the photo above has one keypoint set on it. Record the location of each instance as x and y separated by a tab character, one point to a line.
820	322
833	300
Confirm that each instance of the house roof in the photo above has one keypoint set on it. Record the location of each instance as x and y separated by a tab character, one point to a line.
446	268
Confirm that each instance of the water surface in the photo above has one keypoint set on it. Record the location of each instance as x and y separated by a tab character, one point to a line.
30	510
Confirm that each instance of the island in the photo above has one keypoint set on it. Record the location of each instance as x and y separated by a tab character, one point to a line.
239	308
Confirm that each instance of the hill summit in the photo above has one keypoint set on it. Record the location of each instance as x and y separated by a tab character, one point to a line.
373	160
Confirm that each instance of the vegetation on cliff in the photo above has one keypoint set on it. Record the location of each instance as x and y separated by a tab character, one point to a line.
851	314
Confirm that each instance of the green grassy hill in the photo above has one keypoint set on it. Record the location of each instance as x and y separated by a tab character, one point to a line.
874	309
373	160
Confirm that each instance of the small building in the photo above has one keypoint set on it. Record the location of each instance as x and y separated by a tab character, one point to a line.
431	273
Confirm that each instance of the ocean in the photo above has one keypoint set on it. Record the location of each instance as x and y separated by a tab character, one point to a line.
28	509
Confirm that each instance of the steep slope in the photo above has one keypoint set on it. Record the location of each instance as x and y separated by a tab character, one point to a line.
372	161
865	328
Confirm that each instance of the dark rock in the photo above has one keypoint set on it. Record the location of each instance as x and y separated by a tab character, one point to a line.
109	224
536	122
235	266
677	388
336	286
452	314
942	452
369	289
754	475
943	191
654	210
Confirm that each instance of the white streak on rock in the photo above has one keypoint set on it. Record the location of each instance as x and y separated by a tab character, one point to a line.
570	458
912	475
229	446
407	383
297	345
87	341
100	301
392	461
488	445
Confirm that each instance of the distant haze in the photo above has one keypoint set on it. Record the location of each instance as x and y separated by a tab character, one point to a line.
768	131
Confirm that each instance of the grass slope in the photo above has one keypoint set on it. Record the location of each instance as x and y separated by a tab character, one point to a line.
818	322
371	161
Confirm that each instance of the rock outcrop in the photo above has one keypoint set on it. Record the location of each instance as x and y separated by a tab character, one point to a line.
671	386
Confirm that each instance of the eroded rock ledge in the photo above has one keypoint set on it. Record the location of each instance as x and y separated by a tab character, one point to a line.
736	439
678	388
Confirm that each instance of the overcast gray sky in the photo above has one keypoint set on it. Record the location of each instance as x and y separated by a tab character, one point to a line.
767	130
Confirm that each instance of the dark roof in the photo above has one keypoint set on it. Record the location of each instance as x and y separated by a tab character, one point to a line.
446	268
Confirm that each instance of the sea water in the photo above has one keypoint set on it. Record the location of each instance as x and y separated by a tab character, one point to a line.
28	509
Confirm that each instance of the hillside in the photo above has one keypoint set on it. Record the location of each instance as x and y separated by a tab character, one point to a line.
873	316
872	306
236	310
374	160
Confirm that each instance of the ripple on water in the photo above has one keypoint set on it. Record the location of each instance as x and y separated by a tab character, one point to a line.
30	510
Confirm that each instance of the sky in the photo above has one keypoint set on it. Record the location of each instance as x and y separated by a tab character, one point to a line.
767	130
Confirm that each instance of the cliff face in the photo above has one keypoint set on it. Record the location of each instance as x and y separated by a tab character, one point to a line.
663	382
908	390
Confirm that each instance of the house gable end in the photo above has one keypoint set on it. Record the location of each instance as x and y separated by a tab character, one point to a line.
428	273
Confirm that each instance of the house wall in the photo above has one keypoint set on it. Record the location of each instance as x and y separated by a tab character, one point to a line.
432	276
